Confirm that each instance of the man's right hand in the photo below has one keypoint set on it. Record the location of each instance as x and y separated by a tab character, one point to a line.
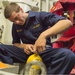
28	48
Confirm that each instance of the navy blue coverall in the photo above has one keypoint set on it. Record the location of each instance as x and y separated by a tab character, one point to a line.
57	61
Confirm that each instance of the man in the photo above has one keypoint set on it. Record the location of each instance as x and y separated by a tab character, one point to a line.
32	29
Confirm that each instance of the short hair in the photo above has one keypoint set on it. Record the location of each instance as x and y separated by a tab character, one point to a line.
10	8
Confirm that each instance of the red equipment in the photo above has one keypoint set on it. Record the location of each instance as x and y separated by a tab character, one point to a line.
66	8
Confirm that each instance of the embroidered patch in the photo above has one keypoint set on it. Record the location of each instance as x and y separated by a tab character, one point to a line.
19	30
36	26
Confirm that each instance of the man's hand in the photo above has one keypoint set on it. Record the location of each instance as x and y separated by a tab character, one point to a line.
28	49
40	44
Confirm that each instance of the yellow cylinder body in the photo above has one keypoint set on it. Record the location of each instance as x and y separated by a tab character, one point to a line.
34	57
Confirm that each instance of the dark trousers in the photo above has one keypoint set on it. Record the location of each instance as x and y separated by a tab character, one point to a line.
57	61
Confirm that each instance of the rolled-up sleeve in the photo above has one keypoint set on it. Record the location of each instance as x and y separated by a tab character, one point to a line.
50	19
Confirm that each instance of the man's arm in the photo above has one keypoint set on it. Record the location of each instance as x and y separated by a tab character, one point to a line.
19	45
28	48
59	27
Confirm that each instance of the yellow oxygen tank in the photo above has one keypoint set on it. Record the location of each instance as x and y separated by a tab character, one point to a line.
35	65
34	57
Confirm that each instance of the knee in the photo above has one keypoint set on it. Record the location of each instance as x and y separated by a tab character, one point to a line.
69	54
1	46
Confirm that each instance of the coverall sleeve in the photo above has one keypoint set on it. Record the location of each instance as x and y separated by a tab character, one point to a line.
15	36
50	19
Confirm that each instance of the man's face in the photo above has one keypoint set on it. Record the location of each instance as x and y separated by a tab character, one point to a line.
17	18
